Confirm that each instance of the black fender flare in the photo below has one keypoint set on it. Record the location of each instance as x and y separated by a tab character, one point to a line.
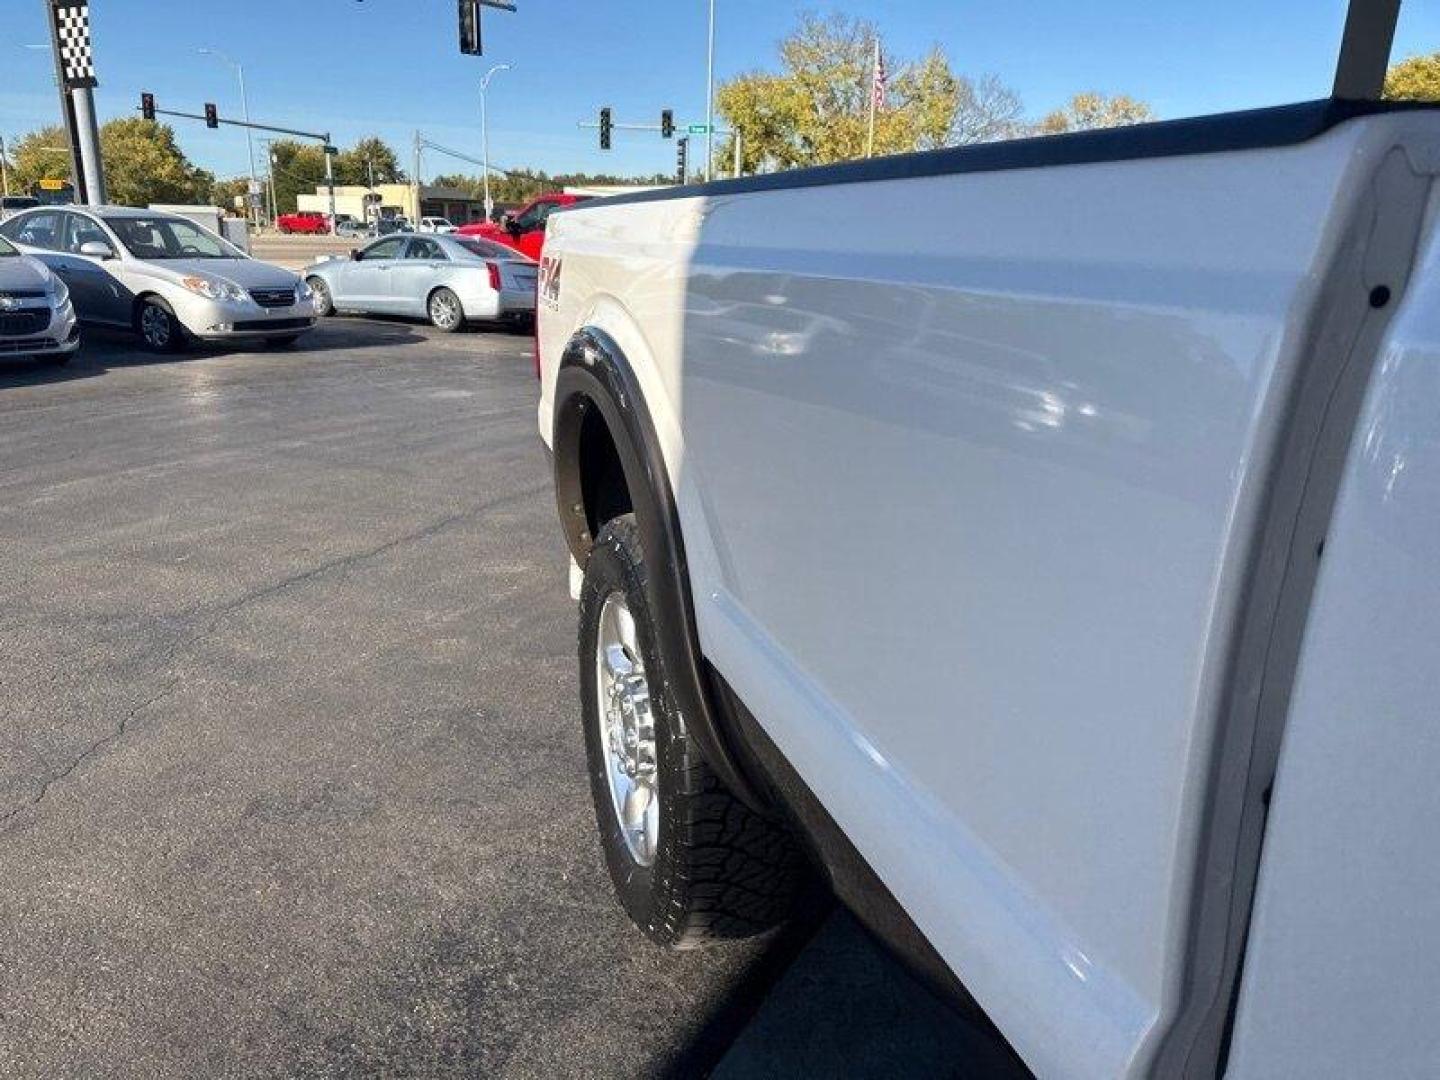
594	374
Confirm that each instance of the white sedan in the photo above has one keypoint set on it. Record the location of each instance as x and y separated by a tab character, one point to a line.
436	225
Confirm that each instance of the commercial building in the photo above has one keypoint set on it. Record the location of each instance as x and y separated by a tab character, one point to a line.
398	199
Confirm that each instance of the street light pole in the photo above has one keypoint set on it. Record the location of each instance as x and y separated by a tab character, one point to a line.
249	139
710	100
485	136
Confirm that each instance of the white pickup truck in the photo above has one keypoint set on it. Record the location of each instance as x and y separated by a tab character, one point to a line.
1056	559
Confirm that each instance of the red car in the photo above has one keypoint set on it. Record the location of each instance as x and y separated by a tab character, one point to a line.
525	231
307	221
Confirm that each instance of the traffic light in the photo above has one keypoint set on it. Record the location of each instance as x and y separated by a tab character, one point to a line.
147	106
212	118
667	123
470	27
605	128
681	171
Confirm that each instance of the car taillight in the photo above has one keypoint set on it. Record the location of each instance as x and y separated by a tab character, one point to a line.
494	269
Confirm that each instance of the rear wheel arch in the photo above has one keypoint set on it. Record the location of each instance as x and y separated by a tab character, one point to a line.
602	425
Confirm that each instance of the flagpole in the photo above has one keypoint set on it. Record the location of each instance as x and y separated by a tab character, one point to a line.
874	75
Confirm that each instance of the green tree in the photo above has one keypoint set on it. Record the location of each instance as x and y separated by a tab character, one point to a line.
299	168
817	108
41	155
353	166
1416	78
144	165
1090	110
224	192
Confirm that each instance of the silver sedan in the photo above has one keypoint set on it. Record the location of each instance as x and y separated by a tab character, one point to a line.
162	275
448	279
36	316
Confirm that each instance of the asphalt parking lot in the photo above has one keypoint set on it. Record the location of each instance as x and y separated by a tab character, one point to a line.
290	777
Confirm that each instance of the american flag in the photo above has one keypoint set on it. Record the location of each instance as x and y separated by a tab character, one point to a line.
877	88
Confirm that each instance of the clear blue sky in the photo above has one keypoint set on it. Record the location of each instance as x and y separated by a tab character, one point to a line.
391	66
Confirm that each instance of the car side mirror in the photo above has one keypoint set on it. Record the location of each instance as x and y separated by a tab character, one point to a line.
97	249
354	254
512	226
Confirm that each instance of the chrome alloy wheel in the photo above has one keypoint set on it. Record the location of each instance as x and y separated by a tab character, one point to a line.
155	326
627	729
445	310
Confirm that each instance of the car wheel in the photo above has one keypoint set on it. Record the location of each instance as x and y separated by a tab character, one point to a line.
445	311
690	862
159	329
324	301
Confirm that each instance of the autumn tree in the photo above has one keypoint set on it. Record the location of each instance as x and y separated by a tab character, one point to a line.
816	109
1090	110
43	154
225	192
1414	79
144	165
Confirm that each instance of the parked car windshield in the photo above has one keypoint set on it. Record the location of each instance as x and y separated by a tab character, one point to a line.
169	238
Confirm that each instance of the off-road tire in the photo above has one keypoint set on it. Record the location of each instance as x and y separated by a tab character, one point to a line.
721	871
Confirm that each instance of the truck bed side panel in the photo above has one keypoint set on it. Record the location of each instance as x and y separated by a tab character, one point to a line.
970	471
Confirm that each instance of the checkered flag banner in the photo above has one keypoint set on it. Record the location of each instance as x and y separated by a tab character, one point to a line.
72	38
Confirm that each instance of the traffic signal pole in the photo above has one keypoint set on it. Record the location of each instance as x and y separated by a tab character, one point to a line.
212	118
666	128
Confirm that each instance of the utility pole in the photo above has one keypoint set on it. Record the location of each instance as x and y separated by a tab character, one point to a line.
75	71
330	179
254	189
372	204
710	100
269	145
415	221
4	169
485	135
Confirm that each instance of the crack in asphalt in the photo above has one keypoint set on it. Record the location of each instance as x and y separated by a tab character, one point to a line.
218	615
91	750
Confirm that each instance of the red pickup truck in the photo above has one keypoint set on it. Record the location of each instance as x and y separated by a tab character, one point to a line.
525	231
307	221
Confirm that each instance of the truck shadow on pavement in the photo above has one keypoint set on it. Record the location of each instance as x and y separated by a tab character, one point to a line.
827	1000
